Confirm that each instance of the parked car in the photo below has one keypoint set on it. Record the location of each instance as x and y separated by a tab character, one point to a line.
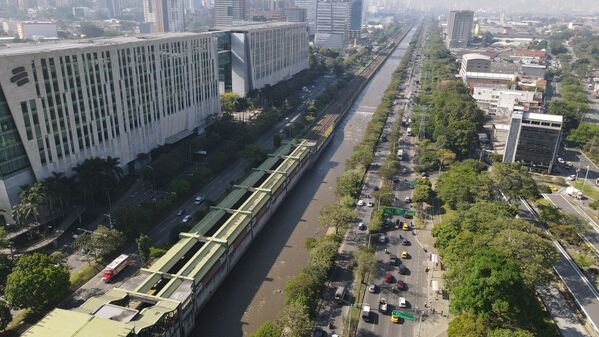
373	288
360	202
370	203
407	199
361	226
402	302
382	238
405	255
181	212
571	177
405	242
187	218
400	285
388	277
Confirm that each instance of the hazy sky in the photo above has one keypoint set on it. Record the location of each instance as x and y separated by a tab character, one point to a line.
529	6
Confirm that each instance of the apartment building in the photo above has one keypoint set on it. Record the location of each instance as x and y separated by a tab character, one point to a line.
226	12
67	101
459	28
164	15
332	23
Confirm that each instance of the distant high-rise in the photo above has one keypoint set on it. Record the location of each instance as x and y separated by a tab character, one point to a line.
165	15
332	23
113	7
310	6
295	14
355	21
227	11
459	28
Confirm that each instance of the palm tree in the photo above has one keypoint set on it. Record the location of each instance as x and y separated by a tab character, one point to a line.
60	188
96	175
33	200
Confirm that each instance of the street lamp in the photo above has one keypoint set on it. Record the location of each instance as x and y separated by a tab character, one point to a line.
585	177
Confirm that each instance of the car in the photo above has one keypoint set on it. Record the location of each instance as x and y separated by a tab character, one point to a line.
181	212
370	203
405	242
571	177
405	255
393	260
360	202
424	174
382	238
395	316
361	226
404	170
388	277
561	160
198	200
372	288
187	218
376	188
402	269
568	164
406	227
401	285
402	302
407	199
553	188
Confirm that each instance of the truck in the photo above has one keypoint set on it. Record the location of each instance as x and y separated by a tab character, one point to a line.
574	192
400	154
115	267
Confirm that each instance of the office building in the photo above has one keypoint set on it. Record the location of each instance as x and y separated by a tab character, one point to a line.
64	102
164	15
459	28
355	20
113	7
502	102
226	12
332	23
254	56
295	14
533	140
310	6
28	30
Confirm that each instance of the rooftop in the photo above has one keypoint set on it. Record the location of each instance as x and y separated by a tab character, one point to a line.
469	57
251	25
45	47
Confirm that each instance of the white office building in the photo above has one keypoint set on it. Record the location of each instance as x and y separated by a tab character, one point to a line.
64	102
332	23
265	54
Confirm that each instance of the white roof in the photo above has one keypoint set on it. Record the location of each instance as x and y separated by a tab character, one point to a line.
469	57
45	47
543	117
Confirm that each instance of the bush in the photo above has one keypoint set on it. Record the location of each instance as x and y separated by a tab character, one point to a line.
594	205
156	252
544	189
583	260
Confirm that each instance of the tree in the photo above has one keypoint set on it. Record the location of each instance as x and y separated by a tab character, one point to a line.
467	325
276	140
384	196
143	247
528	246
102	242
365	264
295	320
268	329
510	333
5	316
6	265
179	186
350	182
36	282
514	181
336	216
90	30
254	153
463	183
492	288
229	102
423	192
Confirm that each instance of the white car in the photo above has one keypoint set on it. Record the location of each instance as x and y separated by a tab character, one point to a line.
402	302
361	226
407	199
187	218
571	177
360	202
560	160
370	204
199	199
382	238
